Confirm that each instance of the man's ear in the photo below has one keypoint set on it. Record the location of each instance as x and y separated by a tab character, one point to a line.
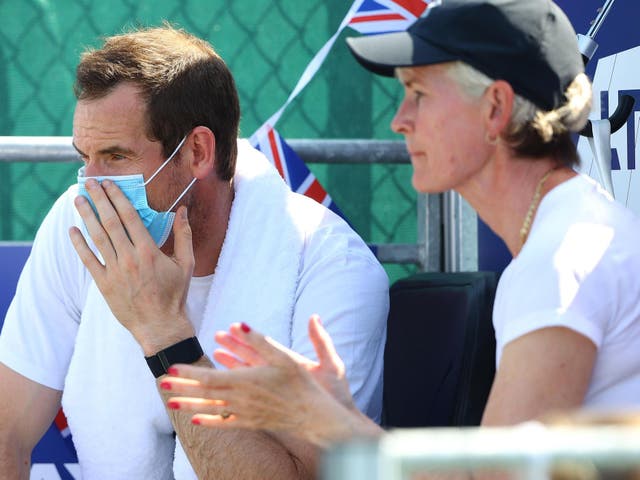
498	100
202	142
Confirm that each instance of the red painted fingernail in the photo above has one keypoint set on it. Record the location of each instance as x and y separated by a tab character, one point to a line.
195	421
172	371
245	328
173	405
165	385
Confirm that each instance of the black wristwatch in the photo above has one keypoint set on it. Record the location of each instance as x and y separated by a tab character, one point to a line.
185	351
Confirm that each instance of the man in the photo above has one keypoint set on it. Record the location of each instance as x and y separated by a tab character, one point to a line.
493	90
156	125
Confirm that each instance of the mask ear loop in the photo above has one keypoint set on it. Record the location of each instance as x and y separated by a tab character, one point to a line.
167	161
182	194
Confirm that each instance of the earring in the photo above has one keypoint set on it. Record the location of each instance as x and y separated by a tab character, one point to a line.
491	140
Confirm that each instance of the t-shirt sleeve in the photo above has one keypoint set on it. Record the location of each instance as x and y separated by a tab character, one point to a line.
575	288
347	287
40	327
550	318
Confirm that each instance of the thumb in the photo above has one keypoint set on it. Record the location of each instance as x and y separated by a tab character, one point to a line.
183	241
323	345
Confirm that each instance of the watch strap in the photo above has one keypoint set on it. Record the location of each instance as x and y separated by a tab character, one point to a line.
185	351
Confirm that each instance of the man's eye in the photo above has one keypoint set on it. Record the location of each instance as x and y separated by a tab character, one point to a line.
117	157
417	96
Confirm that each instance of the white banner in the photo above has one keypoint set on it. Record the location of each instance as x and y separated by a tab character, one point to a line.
616	75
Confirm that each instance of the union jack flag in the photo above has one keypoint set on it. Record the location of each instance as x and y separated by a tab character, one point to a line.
383	16
291	167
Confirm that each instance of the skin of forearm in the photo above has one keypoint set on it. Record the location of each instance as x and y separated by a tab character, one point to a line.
15	463
232	454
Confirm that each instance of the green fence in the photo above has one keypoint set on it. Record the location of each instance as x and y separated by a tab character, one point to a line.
266	43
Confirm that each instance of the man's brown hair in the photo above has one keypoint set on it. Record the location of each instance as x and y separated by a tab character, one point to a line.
184	82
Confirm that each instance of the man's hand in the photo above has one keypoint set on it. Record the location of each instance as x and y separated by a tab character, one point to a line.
145	289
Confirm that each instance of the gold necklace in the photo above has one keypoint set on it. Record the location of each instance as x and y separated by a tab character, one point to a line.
526	224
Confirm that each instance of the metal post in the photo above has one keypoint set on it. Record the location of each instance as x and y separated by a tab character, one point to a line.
430	233
452	222
460	233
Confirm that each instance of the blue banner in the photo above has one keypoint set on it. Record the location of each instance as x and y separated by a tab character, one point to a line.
54	458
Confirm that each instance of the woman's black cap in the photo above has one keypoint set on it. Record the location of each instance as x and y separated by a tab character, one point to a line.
528	43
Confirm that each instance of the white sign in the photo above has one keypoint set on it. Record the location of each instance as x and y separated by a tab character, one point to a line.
617	75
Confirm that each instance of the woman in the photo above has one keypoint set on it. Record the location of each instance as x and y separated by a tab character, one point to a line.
493	90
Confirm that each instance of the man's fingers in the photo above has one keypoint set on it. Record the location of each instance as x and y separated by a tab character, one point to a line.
111	225
119	217
183	241
100	238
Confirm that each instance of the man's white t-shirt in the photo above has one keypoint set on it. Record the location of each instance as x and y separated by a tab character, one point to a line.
60	333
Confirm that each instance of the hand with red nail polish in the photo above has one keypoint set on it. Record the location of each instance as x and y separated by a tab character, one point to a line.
269	387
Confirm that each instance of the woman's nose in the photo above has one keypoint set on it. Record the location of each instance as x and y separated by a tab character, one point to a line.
401	121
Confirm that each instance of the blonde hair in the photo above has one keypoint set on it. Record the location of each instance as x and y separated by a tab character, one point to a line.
532	131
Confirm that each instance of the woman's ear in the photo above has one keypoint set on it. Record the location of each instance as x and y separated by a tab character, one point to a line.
498	100
203	152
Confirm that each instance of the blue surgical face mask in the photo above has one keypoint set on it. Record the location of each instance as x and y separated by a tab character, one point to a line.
158	224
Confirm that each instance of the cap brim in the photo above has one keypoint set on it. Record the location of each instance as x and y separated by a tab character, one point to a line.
382	54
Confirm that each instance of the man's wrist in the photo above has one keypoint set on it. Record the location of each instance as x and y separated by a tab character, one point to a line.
154	339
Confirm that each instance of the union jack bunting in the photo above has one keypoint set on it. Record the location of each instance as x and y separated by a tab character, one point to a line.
62	425
291	167
383	16
364	16
67	439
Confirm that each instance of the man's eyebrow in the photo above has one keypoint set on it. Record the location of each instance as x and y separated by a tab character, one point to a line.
107	151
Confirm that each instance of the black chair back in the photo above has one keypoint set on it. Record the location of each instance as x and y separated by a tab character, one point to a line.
440	350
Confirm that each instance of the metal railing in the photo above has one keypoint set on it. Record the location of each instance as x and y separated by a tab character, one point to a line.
528	452
427	253
60	149
440	241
